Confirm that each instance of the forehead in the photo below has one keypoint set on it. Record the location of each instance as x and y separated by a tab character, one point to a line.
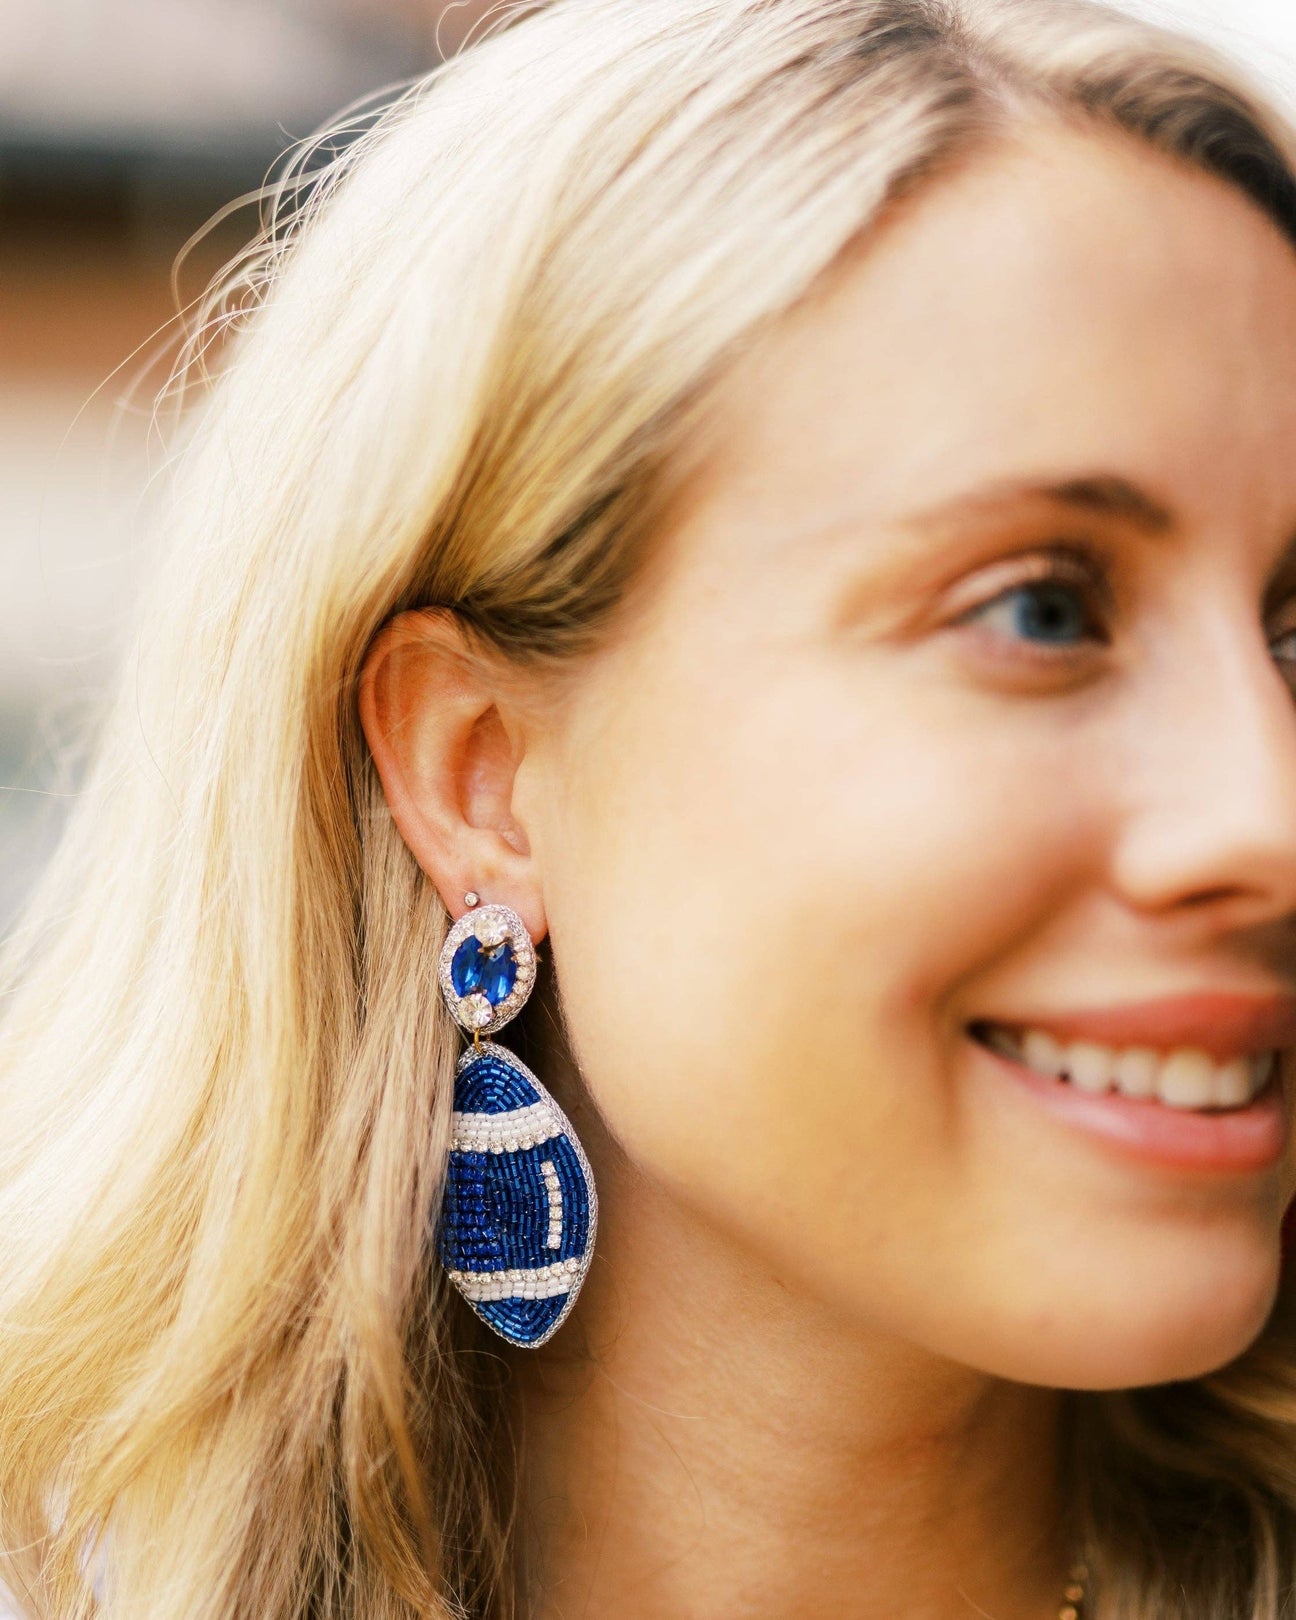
1066	300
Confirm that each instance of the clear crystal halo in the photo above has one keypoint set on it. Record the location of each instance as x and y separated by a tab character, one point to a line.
490	925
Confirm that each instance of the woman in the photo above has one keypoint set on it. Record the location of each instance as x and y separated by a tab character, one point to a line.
763	526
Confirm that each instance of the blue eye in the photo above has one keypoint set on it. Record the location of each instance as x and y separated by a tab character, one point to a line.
1050	611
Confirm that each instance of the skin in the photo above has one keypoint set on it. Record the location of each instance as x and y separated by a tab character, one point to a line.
827	794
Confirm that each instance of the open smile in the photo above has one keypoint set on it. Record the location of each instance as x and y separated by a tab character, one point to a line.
1179	1106
1183	1077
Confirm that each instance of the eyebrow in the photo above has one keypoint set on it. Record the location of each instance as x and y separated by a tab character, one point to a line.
1103	494
1100	494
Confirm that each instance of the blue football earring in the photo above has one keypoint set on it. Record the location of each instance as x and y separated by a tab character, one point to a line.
517	1223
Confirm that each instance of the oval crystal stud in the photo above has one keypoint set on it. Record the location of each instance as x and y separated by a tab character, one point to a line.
487	960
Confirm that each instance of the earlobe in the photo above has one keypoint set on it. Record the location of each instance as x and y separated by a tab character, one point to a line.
447	758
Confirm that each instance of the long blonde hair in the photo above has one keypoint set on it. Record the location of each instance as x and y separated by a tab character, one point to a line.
231	1380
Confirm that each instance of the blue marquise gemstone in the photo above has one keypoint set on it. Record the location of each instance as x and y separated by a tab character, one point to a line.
489	969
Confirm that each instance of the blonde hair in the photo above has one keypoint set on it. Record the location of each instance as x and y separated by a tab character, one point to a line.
231	1380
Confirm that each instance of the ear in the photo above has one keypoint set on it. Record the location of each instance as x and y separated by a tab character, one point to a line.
447	746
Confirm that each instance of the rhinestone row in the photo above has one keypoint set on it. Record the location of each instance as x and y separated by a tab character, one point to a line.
542	1282
510	1132
553	1188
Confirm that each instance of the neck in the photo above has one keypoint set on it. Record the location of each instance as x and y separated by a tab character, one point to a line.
700	1439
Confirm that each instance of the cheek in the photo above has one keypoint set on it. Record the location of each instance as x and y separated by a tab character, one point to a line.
763	903
773	902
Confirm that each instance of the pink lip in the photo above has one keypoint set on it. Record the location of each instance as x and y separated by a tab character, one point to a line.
1239	1139
1220	1024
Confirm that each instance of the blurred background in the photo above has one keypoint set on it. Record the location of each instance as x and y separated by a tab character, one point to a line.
124	125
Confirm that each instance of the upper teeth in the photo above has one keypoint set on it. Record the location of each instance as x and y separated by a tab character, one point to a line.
1185	1077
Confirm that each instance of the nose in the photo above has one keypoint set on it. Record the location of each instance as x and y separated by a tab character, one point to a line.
1210	778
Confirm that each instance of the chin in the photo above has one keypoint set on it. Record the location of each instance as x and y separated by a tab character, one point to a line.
1109	1316
1181	1327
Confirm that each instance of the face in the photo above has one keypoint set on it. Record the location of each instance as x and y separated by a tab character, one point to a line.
957	698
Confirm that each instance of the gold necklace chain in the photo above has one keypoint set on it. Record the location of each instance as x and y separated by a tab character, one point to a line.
1073	1592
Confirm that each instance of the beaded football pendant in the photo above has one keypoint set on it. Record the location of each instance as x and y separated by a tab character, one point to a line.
517	1223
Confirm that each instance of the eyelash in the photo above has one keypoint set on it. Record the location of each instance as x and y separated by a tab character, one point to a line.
1081	567
1064	564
